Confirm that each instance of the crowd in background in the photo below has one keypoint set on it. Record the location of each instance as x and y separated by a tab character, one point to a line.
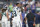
28	10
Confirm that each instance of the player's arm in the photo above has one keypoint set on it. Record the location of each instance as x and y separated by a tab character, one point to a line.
0	16
25	20
26	17
21	17
34	19
7	15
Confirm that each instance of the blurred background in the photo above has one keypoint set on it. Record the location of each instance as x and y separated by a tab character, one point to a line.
33	4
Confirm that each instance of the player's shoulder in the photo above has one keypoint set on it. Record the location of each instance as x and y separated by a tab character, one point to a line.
15	8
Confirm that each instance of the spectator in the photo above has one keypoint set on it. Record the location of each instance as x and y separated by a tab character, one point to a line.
30	2
28	8
33	8
23	2
11	7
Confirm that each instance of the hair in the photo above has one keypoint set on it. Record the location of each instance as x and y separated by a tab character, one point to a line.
17	3
25	5
36	2
21	9
3	10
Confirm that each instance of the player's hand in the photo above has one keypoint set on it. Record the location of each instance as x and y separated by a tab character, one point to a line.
34	24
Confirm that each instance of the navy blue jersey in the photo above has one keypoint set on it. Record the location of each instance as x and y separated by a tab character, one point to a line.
37	20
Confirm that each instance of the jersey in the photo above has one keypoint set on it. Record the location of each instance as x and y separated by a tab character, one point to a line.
16	11
4	17
4	14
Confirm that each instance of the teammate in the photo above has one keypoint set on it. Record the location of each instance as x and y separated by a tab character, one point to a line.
4	18
16	12
8	15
